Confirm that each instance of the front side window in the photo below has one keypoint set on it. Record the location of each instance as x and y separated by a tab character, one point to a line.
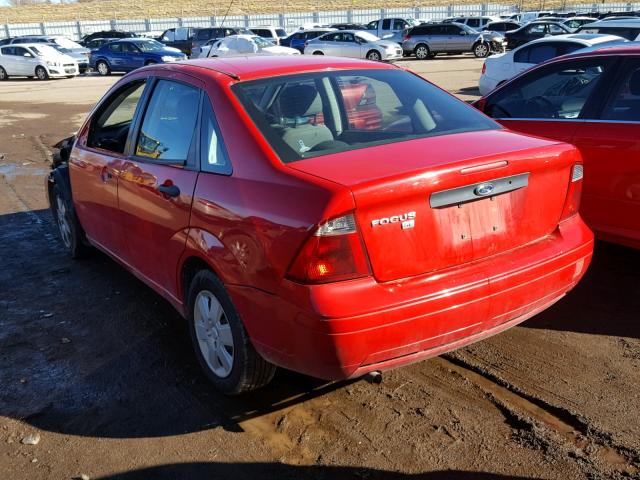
169	36
372	25
558	91
625	102
110	127
309	115
169	122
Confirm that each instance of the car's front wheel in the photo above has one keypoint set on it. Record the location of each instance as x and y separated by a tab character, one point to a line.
3	74
422	52
103	68
220	341
374	55
41	73
481	50
69	228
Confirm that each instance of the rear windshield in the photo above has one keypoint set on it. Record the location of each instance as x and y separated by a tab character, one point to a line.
309	115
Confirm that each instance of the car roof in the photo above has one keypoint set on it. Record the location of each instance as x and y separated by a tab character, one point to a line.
614	23
627	48
264	66
585	38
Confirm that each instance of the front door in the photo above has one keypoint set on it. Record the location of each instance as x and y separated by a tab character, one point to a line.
349	47
457	39
95	164
132	57
25	62
158	178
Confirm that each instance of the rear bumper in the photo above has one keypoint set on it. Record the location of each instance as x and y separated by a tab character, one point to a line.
347	329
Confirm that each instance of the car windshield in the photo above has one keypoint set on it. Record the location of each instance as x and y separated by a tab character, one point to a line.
66	43
315	114
369	37
261	42
150	46
45	50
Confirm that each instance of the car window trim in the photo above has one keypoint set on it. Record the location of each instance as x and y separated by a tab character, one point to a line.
190	162
540	71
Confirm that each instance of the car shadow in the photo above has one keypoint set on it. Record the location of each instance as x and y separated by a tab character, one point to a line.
280	471
605	302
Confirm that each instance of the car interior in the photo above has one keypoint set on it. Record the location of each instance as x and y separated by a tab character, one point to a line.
626	105
304	117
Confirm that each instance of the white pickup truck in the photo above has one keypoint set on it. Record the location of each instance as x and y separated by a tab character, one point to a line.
390	27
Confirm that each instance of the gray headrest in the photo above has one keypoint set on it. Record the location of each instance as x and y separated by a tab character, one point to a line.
300	101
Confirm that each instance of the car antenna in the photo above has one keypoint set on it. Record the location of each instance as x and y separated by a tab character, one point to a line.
226	13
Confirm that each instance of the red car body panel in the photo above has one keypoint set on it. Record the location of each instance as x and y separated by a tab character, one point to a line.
465	272
611	154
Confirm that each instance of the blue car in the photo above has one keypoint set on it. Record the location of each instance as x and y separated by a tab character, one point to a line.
299	39
131	53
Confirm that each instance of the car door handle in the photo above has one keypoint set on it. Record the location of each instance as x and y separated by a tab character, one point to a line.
169	190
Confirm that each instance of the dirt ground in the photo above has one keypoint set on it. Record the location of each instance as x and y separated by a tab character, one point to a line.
100	367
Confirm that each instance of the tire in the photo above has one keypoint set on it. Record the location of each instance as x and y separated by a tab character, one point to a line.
41	73
422	52
220	341
374	56
481	50
103	68
69	228
3	74
318	53
151	62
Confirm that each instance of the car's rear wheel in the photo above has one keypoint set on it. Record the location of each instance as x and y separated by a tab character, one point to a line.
220	341
318	53
69	228
481	50
103	68
422	52
41	73
3	74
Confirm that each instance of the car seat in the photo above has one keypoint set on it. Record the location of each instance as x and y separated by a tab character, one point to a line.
299	105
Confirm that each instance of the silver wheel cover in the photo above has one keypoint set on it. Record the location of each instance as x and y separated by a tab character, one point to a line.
63	222
213	333
102	68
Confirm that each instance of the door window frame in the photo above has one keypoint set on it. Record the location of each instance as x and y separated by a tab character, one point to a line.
626	64
204	165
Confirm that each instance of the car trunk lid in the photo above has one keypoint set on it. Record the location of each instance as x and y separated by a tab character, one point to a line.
448	200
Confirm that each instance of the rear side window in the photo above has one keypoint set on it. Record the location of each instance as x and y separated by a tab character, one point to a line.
169	122
115	47
309	115
214	158
557	91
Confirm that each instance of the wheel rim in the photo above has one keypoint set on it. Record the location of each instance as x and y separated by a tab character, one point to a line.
214	334
2	73
63	222
41	73
422	52
482	50
102	68
374	56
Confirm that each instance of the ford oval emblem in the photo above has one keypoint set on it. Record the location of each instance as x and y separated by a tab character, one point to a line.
484	189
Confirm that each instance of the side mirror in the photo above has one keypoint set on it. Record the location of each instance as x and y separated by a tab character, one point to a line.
28	55
463	32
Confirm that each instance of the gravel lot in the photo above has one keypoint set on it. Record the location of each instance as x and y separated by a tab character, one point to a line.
99	368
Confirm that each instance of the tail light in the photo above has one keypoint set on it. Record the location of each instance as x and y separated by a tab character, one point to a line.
333	253
406	37
484	68
572	203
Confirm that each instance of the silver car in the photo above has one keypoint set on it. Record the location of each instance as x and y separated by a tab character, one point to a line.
427	40
354	44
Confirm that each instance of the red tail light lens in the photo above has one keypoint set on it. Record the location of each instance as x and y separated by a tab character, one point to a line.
572	203
407	37
484	68
333	253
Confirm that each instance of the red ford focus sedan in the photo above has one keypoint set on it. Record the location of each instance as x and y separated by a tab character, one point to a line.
289	234
593	101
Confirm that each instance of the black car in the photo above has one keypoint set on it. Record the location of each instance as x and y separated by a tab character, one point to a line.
348	26
503	26
110	34
534	30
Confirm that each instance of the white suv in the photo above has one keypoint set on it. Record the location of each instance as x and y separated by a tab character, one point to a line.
35	60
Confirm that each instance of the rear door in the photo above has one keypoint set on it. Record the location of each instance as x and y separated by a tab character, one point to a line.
437	38
157	180
7	60
610	145
550	101
115	55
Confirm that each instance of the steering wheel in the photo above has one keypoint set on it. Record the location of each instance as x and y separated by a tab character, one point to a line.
544	105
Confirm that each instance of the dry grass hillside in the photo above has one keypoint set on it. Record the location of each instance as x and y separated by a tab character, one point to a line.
109	9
